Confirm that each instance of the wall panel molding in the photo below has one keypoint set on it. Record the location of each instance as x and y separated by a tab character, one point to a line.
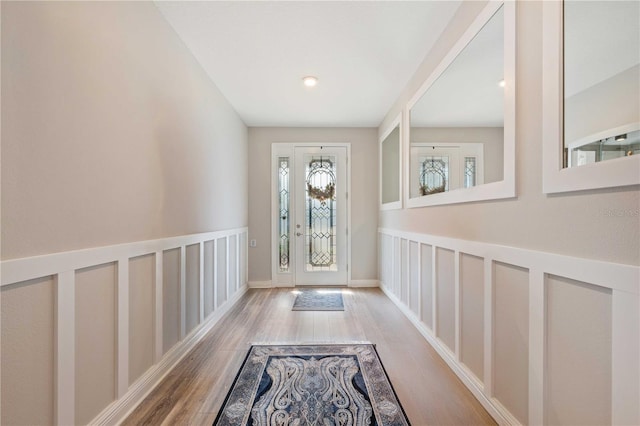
120	409
623	281
63	266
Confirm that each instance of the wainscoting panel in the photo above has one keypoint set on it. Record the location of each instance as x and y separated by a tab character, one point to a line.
193	286
170	299
209	278
142	278
397	265
445	297
578	330
243	265
414	277
87	334
538	338
472	313
95	342
385	265
233	266
222	284
511	338
404	271
426	285
28	361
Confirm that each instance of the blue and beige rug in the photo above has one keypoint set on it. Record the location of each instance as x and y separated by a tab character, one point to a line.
313	385
318	300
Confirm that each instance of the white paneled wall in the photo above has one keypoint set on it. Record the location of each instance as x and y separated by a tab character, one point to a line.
539	338
87	334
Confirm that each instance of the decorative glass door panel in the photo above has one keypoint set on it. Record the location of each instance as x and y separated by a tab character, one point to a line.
434	174
320	214
283	214
444	167
434	170
320	225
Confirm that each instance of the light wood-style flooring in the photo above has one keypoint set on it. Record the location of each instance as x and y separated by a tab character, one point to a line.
428	390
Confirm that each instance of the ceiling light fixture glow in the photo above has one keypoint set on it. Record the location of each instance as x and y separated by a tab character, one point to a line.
621	138
310	81
501	83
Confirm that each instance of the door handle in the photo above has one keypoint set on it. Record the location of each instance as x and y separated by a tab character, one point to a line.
298	233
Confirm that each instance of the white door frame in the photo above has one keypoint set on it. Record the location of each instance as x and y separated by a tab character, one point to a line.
287	149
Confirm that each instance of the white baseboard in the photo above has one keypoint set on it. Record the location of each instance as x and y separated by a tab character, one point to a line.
260	284
118	411
364	283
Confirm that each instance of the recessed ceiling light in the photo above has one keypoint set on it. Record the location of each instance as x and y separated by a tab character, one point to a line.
310	81
501	83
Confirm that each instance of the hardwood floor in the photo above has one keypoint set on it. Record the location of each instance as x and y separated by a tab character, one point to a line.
428	390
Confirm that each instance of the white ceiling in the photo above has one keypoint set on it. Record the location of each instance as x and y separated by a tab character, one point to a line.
363	53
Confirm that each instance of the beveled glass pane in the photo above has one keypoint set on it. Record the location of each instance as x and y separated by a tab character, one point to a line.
283	212
320	213
469	172
434	174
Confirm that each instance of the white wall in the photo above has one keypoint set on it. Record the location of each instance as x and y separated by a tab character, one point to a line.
112	133
363	195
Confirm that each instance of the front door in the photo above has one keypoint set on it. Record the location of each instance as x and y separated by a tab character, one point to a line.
320	216
309	214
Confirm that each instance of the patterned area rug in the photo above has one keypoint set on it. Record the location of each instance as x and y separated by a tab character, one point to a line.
313	385
318	300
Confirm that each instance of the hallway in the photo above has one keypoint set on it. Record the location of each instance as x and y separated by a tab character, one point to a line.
428	390
155	154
